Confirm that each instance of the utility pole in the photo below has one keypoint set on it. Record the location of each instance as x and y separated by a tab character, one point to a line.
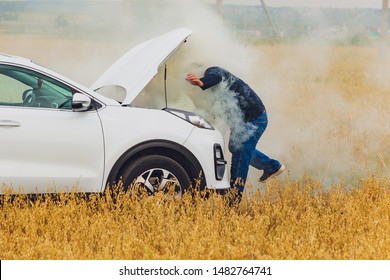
219	5
385	13
270	19
384	26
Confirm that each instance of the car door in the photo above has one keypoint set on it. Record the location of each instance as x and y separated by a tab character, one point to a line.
45	145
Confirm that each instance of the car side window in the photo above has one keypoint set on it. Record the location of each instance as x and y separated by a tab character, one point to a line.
26	88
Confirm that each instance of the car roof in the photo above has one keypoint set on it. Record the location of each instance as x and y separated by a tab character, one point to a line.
13	58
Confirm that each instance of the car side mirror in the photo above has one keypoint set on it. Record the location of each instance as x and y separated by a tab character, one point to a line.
81	102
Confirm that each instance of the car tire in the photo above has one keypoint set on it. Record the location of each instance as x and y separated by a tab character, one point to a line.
154	173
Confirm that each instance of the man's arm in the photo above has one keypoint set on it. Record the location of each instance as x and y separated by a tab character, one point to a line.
206	82
194	80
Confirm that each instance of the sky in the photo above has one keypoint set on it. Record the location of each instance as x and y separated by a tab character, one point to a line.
312	3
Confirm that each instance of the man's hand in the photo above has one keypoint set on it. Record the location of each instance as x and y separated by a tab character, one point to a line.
194	80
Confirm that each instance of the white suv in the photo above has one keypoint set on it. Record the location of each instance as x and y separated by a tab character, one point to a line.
57	135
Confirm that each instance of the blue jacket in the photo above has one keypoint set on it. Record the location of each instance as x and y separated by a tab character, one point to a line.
248	101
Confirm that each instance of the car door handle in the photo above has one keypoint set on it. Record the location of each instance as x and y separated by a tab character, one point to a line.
10	123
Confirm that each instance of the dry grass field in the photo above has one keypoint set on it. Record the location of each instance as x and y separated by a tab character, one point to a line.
329	115
293	220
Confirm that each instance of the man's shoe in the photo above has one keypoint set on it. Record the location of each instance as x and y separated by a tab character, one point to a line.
268	176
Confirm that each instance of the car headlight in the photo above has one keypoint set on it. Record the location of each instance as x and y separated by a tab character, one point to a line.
190	117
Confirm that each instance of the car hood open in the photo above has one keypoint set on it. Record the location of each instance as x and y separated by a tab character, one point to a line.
134	70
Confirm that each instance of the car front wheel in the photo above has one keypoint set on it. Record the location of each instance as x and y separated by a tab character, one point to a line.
156	173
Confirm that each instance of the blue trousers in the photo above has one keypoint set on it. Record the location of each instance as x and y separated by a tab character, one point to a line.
246	154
